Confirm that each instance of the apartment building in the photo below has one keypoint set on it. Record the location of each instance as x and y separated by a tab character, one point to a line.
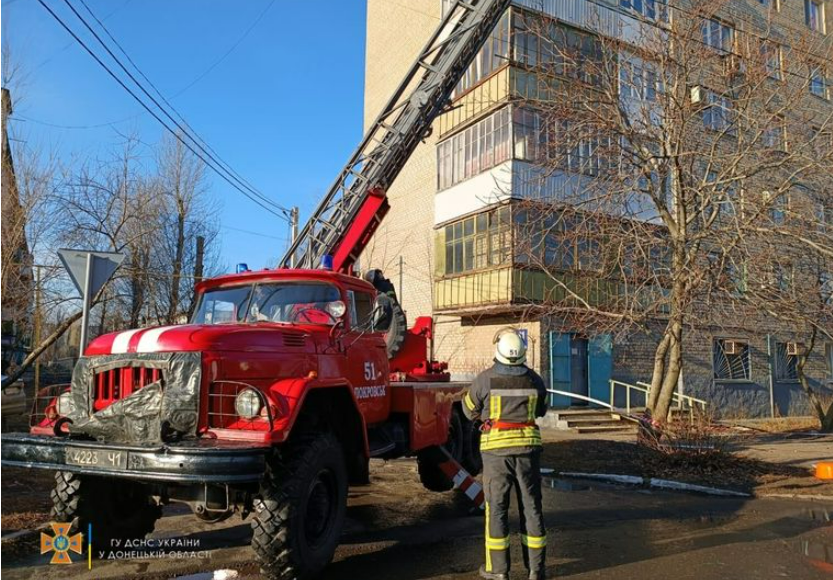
451	241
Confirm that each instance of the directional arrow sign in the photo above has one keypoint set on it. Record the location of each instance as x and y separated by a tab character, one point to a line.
89	272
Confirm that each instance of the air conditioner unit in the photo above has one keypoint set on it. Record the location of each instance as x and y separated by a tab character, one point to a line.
733	346
795	349
697	94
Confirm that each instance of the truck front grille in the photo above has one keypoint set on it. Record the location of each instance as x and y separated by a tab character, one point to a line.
115	384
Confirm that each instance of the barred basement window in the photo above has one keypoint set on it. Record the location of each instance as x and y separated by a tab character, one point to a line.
731	360
786	365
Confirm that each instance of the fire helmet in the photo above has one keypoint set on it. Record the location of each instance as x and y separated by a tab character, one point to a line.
509	348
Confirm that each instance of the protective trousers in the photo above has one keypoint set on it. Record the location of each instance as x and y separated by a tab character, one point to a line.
500	474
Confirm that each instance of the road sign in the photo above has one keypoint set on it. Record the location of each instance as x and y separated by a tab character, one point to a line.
89	272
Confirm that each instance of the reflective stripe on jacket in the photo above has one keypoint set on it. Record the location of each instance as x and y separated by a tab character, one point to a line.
510	395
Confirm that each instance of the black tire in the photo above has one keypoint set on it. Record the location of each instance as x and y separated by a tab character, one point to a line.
300	512
428	460
472	459
117	510
395	336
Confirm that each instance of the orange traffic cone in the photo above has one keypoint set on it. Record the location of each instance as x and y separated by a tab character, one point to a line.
824	470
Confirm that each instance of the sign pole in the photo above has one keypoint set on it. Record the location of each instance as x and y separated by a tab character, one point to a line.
85	309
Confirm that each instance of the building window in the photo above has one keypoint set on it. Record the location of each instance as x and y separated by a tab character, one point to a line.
478	242
555	48
737	275
491	56
718	113
650	9
583	151
826	287
814	15
718	35
473	150
786	364
779	206
638	80
731	360
771	58
725	197
818	80
774	136
784	278
770	4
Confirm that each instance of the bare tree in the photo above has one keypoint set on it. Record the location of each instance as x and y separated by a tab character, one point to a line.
676	161
186	214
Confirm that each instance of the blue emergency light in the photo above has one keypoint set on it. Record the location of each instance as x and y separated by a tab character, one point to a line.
242	267
326	262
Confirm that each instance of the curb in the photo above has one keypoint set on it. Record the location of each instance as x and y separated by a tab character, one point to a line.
23	533
665	484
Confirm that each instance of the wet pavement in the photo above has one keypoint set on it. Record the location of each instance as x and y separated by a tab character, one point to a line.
395	529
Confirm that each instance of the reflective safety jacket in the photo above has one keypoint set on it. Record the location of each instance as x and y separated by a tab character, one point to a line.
507	399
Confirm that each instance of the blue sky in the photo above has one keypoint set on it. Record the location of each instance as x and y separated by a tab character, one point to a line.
284	109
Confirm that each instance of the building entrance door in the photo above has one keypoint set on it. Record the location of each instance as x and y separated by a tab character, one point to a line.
578	370
581	366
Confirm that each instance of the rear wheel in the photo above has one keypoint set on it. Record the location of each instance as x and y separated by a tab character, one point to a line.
301	509
117	510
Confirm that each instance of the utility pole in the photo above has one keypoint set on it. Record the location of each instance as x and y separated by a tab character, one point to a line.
37	330
198	271
198	261
293	224
400	292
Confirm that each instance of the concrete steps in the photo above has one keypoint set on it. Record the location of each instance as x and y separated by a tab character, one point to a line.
590	420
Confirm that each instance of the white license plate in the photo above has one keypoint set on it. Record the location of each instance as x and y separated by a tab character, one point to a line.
100	458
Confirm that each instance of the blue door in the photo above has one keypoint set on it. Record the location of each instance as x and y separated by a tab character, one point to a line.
560	368
596	357
600	366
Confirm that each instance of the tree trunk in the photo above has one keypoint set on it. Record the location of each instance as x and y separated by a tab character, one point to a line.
825	417
173	305
45	343
672	376
659	370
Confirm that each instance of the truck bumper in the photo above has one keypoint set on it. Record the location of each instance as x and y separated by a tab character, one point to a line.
200	461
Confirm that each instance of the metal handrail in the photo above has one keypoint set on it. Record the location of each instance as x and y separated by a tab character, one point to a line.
681	400
610	406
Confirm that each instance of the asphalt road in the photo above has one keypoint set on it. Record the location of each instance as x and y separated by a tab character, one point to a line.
397	530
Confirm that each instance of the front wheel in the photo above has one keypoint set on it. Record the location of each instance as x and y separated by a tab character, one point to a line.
300	512
118	510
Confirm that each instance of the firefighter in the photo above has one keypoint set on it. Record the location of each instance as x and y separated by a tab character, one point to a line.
507	398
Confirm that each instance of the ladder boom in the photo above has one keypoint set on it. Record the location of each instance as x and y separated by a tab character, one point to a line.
355	203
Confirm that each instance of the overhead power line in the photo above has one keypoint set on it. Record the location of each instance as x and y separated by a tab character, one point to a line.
193	134
197	149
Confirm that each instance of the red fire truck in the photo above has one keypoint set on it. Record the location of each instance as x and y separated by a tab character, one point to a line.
275	396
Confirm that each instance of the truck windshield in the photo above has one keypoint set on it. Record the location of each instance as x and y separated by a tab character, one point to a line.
268	302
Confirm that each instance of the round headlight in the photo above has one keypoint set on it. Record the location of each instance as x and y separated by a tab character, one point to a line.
247	404
64	404
336	308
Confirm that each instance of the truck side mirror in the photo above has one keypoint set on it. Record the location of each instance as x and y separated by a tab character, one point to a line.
382	314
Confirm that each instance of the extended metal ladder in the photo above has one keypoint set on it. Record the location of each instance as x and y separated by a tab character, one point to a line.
404	121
